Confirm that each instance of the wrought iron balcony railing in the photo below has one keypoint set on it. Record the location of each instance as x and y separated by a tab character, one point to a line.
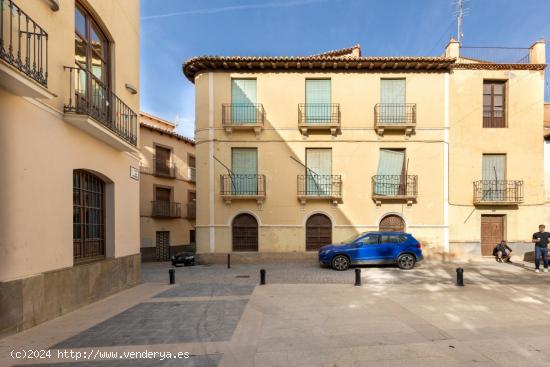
242	114
321	186
388	114
23	43
242	186
503	192
166	209
319	113
89	96
164	167
394	187
191	210
496	55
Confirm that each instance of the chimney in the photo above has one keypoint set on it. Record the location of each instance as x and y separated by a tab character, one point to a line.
537	52
452	49
356	51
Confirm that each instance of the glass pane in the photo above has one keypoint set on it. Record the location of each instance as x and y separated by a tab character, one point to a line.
80	50
498	88
486	100
487	88
97	41
97	67
498	100
80	22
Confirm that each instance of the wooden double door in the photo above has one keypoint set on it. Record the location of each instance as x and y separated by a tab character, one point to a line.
492	232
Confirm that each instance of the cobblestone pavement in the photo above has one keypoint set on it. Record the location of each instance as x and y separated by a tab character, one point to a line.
307	316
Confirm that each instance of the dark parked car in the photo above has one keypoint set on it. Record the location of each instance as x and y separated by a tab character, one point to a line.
185	258
373	248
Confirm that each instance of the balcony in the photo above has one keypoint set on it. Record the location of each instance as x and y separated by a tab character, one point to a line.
395	116
394	188
249	116
243	187
319	117
166	209
164	168
315	187
24	52
498	192
95	109
191	210
192	174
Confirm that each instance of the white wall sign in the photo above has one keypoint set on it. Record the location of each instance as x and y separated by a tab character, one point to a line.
134	173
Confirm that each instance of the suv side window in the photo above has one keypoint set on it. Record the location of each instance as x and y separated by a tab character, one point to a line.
392	238
368	240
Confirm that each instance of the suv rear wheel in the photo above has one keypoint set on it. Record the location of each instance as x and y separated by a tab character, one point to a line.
406	261
340	262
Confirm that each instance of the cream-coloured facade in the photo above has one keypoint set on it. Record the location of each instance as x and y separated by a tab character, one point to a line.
69	220
167	189
466	168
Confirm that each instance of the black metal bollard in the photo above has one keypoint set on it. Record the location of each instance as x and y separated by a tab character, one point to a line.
460	277
229	261
357	277
172	274
262	276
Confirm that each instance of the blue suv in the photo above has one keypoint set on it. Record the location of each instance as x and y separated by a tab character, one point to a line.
373	248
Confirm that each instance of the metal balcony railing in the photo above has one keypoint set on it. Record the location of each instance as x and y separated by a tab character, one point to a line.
329	186
164	167
166	209
23	43
319	113
394	186
497	55
498	191
243	114
388	114
191	210
89	96
243	185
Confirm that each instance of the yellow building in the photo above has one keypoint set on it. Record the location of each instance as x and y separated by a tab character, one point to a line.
297	152
167	189
69	220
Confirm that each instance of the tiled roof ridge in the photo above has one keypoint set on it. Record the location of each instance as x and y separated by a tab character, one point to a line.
168	132
341	52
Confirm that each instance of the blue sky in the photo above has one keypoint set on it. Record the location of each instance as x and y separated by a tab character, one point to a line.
174	30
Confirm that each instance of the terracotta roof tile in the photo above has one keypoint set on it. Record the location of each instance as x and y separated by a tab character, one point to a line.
167	132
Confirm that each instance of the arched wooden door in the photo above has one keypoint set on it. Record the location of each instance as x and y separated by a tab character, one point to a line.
318	232
245	233
392	223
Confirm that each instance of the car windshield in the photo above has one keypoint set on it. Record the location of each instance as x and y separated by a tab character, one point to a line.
354	237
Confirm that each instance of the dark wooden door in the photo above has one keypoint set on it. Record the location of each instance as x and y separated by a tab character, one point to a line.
492	232
245	233
392	223
163	245
318	232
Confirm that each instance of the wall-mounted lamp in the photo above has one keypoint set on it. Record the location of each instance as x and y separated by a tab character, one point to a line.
130	88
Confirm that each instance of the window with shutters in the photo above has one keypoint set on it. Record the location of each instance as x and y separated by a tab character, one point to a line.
244	167
494	98
318	171
243	101
318	101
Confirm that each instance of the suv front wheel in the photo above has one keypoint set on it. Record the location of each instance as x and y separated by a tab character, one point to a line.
340	262
406	261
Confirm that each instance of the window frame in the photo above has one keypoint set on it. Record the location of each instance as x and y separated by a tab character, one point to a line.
491	119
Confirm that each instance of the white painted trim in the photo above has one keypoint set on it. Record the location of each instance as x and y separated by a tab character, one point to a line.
211	187
446	246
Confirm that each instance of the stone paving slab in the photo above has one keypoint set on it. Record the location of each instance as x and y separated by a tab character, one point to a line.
192	361
163	323
208	290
